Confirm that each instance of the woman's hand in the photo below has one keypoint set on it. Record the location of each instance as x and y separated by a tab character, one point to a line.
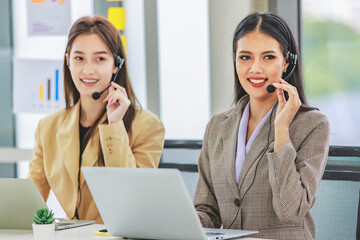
117	103
285	112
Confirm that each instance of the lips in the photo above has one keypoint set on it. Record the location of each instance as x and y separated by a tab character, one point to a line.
89	81
257	82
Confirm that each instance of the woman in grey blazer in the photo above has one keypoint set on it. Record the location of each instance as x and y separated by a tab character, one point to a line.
262	161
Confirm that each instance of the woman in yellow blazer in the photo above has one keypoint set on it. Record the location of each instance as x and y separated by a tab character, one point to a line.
101	125
262	161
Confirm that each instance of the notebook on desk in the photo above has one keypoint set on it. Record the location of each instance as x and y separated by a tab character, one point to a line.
149	204
19	199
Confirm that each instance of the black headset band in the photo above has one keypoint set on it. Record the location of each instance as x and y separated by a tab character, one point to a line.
118	59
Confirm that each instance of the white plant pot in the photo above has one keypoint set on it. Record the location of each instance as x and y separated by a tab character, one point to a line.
43	231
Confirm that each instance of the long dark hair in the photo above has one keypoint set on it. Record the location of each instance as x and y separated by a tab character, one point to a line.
276	27
111	36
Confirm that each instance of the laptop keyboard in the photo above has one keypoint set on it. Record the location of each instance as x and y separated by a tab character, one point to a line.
213	233
60	224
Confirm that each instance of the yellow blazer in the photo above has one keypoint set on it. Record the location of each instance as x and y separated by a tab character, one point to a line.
55	162
283	183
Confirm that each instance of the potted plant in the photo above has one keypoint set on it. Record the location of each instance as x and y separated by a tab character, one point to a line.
43	226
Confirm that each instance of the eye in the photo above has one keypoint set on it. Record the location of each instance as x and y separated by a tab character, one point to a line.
99	59
269	57
245	57
78	58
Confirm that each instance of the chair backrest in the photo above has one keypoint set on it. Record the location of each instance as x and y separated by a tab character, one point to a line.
183	155
336	211
337	198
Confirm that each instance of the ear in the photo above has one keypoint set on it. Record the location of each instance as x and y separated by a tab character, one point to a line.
286	63
115	69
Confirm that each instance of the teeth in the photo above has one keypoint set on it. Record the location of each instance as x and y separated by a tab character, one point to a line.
257	81
88	81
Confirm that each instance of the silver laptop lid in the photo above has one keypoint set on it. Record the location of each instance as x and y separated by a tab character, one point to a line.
18	202
144	203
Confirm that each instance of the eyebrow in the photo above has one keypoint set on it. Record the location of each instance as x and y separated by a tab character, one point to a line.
266	52
96	53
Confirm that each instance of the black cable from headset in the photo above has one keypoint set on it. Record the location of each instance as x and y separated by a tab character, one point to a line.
79	191
238	203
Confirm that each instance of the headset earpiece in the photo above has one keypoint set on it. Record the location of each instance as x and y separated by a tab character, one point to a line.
293	58
117	61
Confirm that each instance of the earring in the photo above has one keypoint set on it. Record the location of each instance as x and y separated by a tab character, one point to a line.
285	69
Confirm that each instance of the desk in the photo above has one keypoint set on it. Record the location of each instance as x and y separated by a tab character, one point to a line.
9	158
79	233
13	155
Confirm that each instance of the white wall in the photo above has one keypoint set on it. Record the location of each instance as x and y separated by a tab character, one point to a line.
135	34
184	67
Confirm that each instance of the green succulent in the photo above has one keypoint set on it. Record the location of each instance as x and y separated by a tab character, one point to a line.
43	216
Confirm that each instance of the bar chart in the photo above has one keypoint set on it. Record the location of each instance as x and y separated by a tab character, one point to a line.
38	86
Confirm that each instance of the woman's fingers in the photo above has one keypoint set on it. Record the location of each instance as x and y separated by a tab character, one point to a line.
117	90
280	94
116	86
116	96
290	89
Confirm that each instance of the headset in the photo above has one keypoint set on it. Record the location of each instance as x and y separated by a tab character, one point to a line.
292	58
118	62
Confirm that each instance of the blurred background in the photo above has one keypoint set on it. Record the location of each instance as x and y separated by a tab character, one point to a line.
179	56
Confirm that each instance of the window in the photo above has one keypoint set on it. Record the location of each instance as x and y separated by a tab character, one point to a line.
331	58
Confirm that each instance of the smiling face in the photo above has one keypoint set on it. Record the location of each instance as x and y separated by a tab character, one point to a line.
91	64
259	63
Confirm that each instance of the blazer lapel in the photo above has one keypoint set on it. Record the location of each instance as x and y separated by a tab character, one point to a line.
68	142
257	148
229	133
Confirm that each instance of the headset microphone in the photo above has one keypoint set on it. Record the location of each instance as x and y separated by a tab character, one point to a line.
118	62
269	89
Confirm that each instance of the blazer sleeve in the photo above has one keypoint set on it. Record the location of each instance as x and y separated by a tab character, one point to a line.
205	200
295	174
36	166
146	146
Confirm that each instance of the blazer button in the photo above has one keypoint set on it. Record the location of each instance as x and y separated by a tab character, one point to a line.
237	202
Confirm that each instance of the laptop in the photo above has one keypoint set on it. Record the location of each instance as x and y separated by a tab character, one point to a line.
149	204
19	199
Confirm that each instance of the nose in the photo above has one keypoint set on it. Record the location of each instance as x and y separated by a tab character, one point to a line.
256	67
88	68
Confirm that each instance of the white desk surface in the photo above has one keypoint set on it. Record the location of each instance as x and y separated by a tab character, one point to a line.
79	233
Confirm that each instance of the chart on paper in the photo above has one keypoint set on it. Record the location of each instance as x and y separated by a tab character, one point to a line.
38	86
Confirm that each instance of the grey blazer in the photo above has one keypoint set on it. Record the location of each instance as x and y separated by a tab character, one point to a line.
279	201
